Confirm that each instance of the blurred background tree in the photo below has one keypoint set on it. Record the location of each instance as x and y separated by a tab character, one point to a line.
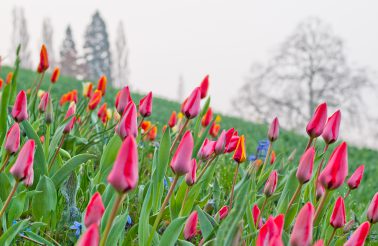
121	59
47	39
68	54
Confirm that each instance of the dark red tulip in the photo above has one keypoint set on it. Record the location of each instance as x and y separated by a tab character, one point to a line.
223	212
204	86
316	124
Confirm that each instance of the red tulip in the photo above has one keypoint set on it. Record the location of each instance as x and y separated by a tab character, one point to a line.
271	184
22	169
220	144
70	112
122	99
206	150
95	210
274	130
334	174
95	100
338	219
190	229
192	105
190	177
372	213
87	89
239	154
223	212
68	97
319	243
181	160
102	113
301	234
20	107
55	75
44	101
145	105
101	85
355	180
128	125
270	233
43	60
1	83
124	174
214	129
331	129
12	140
91	237
316	125
256	214
204	86
172	120
306	164
359	236
206	119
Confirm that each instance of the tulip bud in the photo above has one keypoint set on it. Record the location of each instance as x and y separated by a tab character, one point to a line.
191	106
172	120
95	210
331	129
306	164
338	219
204	86
91	237
122	99
145	105
272	157
271	184
124	174
55	75
301	234
102	113
271	232
220	144
181	160
334	174
87	89
372	213
239	154
355	180
223	212
43	60
128	126
70	113
95	100
214	129
101	85
256	214
1	83
49	115
274	130
12	140
206	119
190	229
206	150
190	177
152	133
20	107
316	124
44	101
22	169
359	236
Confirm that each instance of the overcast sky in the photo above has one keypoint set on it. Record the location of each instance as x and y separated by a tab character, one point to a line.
192	38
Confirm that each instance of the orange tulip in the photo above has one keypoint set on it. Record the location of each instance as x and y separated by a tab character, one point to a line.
101	85
55	75
239	154
95	100
43	60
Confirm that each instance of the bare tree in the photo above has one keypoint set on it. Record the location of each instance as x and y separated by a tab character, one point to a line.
47	39
68	55
121	56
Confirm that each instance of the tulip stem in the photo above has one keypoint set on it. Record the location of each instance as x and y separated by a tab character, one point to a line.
332	235
113	214
56	152
183	201
178	135
321	162
265	160
160	214
347	194
233	184
309	143
262	210
321	205
47	140
9	198
294	197
6	159
141	121
205	167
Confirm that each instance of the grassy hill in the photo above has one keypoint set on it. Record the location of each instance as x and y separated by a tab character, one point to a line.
287	142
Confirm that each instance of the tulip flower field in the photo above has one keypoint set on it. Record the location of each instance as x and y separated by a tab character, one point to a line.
85	164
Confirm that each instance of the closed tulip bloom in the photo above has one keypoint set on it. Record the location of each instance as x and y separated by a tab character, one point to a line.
206	150
43	60
355	180
70	113
101	85
206	119
319	243
220	144
223	212
331	129
95	100
190	229
204	86
12	139
20	107
95	210
231	146
256	214
271	184
23	167
239	154
87	89
172	120
190	177
124	174
49	115
102	113
359	236
301	234
44	101
152	133
316	124
270	232
334	174
145	105
306	163
274	130
181	160
91	237
338	219
372	213
122	99
128	126
214	129
55	75
192	105
272	157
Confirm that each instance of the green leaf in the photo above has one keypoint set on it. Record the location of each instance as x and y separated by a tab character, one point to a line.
44	203
117	230
5	96
144	225
172	232
205	224
108	210
38	238
184	243
17	206
108	157
5	185
8	236
288	191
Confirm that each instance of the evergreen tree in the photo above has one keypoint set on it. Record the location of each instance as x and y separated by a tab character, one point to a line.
68	54
97	49
121	55
47	39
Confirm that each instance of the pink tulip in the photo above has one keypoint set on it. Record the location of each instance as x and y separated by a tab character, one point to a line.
334	174
301	234
95	210
359	236
22	169
91	237
128	126
306	163
181	160
372	213
338	219
20	107
271	184
271	232
124	174
223	212
355	180
190	229
207	149
191	106
274	130
220	144
204	86
231	145
316	124
12	140
122	99
43	103
319	243
190	177
70	112
255	214
331	129
145	105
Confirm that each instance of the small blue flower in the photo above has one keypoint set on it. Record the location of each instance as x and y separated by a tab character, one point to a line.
78	227
252	158
129	220
262	149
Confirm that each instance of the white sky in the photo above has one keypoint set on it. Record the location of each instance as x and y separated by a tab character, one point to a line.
198	37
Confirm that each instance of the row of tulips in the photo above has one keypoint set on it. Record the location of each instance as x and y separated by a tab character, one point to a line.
266	205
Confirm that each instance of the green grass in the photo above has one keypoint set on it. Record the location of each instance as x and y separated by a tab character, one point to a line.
287	142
